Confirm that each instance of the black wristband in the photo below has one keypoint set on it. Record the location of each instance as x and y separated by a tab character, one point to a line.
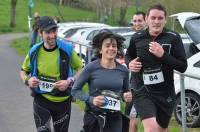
26	80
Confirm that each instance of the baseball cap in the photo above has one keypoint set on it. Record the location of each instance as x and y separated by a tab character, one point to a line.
46	23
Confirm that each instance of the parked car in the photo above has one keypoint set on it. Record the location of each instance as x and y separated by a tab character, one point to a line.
191	23
83	37
67	28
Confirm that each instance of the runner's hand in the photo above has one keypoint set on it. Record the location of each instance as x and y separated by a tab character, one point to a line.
33	82
62	85
98	101
135	65
127	96
156	49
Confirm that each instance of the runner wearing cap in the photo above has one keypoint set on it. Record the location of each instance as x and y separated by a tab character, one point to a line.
47	71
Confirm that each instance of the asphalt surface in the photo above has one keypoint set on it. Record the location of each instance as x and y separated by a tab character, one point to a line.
16	113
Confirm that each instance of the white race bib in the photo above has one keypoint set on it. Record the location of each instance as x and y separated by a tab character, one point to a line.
153	78
112	104
46	86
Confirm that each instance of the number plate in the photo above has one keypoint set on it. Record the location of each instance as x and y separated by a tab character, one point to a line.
46	86
112	104
153	78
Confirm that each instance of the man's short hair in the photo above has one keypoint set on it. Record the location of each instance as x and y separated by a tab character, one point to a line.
158	7
140	13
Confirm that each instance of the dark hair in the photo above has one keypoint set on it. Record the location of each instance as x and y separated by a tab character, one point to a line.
158	7
140	13
100	37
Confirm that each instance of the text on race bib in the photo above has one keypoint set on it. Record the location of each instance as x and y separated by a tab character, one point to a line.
46	86
153	78
112	104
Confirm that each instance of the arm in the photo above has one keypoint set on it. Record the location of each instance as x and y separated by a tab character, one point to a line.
127	95
131	52
132	61
177	59
78	85
24	74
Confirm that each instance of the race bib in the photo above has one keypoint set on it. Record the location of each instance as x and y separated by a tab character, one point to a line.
154	77
112	104
46	84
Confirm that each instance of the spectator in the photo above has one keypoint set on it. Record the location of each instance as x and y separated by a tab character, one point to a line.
35	28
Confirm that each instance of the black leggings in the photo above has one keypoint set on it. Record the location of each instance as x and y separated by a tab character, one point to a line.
45	110
109	123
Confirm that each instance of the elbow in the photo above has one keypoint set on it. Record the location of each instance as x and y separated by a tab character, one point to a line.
183	68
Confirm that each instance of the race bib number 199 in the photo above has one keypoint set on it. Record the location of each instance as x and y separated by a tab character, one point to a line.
46	86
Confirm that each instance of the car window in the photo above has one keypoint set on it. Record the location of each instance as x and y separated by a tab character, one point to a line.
197	64
92	34
190	49
127	41
121	30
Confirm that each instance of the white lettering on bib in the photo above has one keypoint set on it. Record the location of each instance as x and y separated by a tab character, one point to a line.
153	78
112	104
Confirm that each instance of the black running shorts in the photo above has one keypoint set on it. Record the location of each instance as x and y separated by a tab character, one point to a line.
155	104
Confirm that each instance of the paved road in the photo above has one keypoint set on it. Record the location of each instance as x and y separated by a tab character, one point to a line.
15	101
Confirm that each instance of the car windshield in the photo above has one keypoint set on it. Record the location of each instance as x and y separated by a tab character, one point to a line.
192	26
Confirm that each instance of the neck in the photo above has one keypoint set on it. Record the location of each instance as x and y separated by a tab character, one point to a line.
47	46
109	64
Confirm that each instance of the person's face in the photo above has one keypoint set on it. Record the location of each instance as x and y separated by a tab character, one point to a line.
156	21
49	37
138	22
109	49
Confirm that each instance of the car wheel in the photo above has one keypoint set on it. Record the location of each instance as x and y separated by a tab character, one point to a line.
192	108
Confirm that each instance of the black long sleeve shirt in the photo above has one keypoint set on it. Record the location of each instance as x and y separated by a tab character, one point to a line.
174	57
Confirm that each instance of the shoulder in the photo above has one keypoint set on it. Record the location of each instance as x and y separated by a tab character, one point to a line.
122	67
93	65
65	46
139	34
171	33
35	47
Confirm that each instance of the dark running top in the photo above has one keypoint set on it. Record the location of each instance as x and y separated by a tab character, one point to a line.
174	57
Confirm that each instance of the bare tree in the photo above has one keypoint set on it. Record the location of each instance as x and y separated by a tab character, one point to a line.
123	9
13	13
100	9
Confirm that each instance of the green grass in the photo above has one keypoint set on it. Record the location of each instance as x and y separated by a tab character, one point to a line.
44	8
21	45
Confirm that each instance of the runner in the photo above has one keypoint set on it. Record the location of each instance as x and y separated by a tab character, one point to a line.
153	54
108	82
47	71
137	25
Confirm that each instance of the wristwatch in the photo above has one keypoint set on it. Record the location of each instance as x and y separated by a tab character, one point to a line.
71	79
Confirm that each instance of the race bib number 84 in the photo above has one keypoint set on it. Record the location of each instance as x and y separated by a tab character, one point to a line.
153	78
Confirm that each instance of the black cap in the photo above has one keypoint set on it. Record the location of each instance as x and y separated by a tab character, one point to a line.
46	23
